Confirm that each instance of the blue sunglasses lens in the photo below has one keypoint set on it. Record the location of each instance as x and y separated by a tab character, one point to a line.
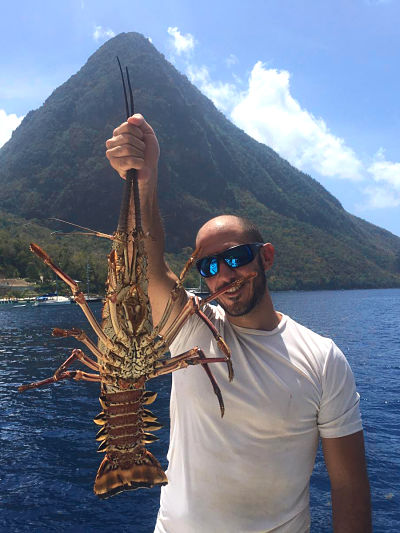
213	267
240	256
208	266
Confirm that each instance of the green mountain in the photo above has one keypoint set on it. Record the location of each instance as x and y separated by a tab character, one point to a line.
54	165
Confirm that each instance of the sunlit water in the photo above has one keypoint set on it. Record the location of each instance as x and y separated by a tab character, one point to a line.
48	450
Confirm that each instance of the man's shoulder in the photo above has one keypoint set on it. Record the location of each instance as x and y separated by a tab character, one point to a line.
308	350
306	334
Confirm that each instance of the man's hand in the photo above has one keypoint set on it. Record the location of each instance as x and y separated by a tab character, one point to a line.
345	462
134	145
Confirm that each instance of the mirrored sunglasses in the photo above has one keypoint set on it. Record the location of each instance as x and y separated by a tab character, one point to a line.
234	257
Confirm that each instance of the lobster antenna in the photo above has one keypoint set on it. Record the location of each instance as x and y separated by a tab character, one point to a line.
131	183
136	202
90	230
124	86
132	111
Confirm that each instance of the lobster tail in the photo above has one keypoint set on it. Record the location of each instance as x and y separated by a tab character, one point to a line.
125	424
113	479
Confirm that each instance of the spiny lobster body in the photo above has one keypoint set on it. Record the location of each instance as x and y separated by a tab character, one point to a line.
126	423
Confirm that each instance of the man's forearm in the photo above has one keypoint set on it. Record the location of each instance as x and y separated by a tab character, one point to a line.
161	278
351	509
151	221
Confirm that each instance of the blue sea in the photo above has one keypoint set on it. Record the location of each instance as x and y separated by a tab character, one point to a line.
47	445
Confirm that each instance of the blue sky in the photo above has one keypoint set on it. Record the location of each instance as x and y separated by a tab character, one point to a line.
318	81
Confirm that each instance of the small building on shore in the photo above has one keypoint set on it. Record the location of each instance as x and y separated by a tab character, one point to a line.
14	284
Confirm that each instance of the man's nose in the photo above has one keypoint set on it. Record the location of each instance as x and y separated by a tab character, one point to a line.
226	272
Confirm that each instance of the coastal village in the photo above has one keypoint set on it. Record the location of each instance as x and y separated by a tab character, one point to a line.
19	291
16	290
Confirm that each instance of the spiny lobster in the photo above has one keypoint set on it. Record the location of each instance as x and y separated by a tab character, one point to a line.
130	351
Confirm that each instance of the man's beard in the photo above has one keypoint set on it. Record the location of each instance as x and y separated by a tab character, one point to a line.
241	308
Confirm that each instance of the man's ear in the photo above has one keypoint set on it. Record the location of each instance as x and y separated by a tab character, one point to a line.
267	253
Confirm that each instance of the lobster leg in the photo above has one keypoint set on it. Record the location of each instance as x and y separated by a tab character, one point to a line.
193	306
190	308
237	283
78	296
195	356
77	375
77	354
220	341
177	324
61	373
174	293
81	336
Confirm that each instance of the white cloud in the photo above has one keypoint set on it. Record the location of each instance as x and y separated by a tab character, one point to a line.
385	171
231	60
8	123
268	112
101	33
379	198
182	43
385	190
223	95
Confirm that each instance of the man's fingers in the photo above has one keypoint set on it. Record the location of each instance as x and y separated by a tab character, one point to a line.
139	121
125	150
135	125
129	128
123	164
125	139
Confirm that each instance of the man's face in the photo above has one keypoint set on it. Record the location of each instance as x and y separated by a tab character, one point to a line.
243	300
216	238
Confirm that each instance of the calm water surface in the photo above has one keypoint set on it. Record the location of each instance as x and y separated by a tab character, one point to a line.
48	450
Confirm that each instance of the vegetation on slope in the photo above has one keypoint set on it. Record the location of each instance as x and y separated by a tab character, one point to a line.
72	253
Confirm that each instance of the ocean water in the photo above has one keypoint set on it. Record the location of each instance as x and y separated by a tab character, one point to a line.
47	445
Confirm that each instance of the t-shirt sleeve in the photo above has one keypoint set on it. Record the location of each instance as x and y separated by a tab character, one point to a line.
339	413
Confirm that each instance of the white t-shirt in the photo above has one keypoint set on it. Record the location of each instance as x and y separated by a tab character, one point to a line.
249	471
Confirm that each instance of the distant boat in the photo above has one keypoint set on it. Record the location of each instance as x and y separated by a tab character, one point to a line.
51	299
93	298
198	292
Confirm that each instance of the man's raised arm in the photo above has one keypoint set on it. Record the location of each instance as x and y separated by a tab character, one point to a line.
134	145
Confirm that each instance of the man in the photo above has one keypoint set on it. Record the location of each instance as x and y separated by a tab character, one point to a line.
249	471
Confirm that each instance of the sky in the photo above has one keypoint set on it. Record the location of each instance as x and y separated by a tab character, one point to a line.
317	81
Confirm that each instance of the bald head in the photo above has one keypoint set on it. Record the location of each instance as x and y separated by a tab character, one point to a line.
229	227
